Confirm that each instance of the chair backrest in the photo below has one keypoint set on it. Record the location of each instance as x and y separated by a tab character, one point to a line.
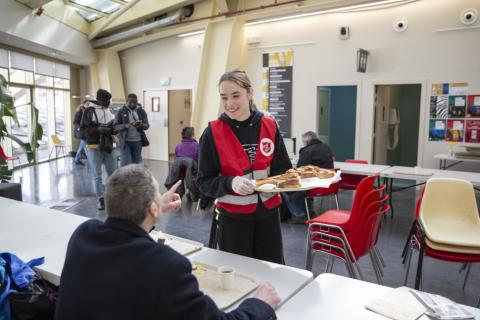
56	140
2	154
352	180
357	161
418	204
447	200
365	187
371	228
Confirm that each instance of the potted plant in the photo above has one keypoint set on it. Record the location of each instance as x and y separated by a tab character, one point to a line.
8	110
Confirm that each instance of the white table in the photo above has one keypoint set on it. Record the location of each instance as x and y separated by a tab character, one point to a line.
332	297
456	160
361	169
286	280
31	231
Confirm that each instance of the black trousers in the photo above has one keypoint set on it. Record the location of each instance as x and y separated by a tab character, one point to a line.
259	238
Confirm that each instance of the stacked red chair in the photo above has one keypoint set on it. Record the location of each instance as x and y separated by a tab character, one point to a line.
349	235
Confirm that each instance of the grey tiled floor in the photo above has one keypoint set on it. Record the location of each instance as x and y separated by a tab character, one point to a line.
55	181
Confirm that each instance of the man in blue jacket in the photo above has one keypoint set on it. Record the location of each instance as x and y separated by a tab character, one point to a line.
115	270
131	121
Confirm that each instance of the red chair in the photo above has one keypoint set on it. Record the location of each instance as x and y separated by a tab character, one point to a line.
12	158
414	242
351	181
332	190
351	246
346	218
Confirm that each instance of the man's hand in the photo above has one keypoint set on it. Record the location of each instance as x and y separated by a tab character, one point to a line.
242	186
267	293
171	201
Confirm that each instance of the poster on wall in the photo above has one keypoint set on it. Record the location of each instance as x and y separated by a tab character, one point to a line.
439	107
458	88
473	106
455	130
472	132
456	106
436	130
439	88
280	74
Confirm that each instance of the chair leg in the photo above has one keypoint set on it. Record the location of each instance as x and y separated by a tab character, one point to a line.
378	262
329	262
336	201
375	268
350	269
409	262
306	208
379	256
50	155
309	258
418	276
466	276
357	268
407	243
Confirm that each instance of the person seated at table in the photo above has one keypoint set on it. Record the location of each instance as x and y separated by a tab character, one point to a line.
188	148
314	152
115	270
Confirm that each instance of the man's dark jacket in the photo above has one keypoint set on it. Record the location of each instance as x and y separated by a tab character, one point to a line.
122	120
115	270
316	153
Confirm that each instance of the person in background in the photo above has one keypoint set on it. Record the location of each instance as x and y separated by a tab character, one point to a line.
188	148
97	127
241	145
131	120
115	270
314	152
82	147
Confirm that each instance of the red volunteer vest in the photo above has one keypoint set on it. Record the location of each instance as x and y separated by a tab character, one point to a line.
235	162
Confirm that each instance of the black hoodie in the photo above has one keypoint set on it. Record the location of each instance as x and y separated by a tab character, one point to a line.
209	181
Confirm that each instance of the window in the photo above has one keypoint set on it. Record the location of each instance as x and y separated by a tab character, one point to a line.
21	130
61	83
44	103
44	81
4	73
61	102
21	76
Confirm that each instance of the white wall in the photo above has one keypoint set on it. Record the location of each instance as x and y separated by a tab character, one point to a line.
417	55
178	58
43	34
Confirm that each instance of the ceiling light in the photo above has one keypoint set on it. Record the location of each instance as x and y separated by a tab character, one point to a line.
339	9
193	33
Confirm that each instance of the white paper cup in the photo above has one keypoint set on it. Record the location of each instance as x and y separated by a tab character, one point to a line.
227	277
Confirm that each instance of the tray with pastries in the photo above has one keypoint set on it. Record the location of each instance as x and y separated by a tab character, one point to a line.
303	178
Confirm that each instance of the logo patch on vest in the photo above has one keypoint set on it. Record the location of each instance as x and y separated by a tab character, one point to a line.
267	147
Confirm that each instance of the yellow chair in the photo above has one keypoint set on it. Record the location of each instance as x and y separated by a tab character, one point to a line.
449	216
57	144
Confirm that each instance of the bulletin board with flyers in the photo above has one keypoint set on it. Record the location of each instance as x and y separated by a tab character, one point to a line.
454	114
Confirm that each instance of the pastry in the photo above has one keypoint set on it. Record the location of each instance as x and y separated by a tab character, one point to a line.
308	174
290	183
325	174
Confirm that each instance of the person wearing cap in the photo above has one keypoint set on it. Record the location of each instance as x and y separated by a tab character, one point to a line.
97	126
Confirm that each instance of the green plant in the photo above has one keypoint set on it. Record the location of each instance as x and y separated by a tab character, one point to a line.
8	110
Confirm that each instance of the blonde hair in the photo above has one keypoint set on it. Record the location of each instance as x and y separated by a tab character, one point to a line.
240	78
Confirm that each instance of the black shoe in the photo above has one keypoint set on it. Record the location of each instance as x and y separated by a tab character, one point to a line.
101	204
80	163
297	220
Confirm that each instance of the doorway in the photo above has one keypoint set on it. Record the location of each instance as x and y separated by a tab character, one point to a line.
396	124
336	110
168	112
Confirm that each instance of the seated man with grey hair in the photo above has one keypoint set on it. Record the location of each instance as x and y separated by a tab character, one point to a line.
314	152
115	270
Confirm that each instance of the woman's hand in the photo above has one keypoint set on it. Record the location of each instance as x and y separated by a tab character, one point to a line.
242	186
